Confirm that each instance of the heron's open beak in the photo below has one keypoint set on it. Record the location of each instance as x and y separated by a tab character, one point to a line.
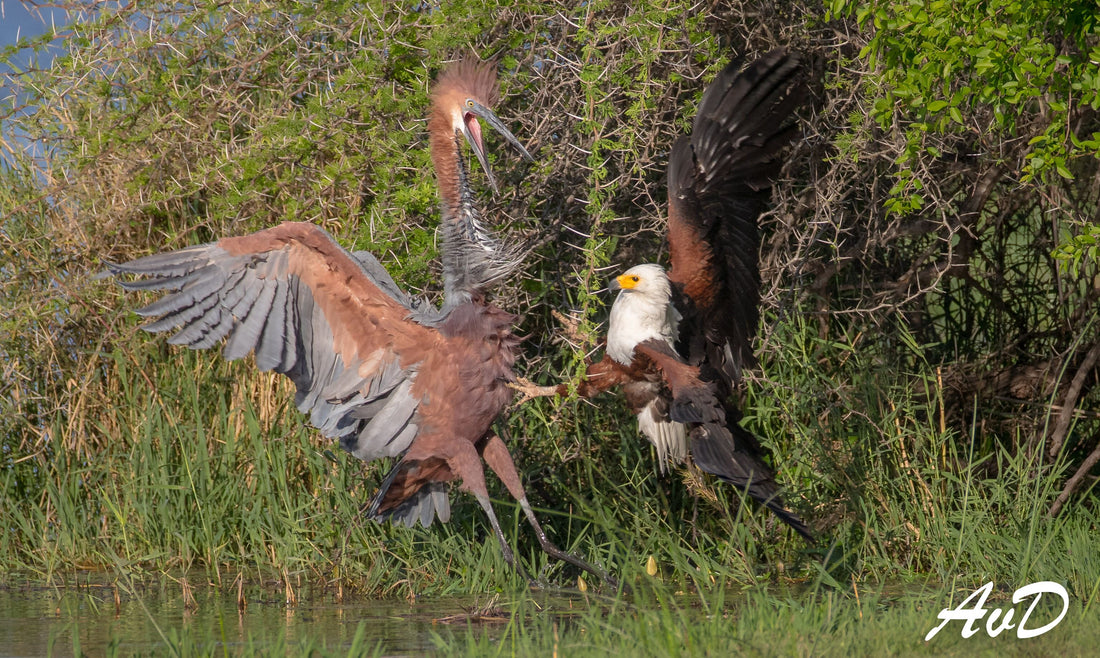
471	129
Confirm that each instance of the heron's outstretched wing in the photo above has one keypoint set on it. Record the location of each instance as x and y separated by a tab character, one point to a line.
335	324
718	185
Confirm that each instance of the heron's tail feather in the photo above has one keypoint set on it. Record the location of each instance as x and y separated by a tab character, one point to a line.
409	494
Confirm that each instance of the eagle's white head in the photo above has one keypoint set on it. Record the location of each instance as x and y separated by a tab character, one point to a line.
643	310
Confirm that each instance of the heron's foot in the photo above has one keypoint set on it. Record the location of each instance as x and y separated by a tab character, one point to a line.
541	581
576	561
612	581
529	390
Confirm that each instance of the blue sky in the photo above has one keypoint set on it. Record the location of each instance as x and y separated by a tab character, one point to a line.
24	19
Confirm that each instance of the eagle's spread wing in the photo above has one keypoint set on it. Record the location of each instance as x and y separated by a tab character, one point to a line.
335	324
718	185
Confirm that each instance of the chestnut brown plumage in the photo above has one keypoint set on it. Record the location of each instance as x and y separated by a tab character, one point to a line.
385	376
677	343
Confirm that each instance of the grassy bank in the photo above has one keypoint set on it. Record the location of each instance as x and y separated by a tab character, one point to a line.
205	467
206	464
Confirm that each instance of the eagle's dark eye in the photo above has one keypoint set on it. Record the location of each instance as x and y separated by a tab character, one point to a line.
634	278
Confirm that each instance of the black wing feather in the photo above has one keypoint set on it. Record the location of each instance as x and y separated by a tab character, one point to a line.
719	182
725	452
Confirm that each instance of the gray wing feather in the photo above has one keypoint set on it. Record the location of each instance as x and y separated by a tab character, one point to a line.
381	277
420	310
252	301
273	340
375	437
201	318
197	289
246	333
442	503
221	327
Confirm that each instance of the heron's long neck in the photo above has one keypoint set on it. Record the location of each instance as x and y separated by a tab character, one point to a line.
472	257
459	208
447	160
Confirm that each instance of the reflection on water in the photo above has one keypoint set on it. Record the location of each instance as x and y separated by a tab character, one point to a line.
35	619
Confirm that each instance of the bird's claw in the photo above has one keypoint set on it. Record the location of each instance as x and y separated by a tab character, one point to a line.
529	390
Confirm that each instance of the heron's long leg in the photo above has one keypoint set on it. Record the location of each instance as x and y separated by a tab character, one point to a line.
496	455
465	462
555	552
509	557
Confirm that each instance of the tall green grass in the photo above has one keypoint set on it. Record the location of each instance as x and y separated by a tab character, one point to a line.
872	446
208	466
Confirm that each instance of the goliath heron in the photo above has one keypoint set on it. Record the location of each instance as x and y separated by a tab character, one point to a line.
384	375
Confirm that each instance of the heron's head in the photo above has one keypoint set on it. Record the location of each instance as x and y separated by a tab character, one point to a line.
463	94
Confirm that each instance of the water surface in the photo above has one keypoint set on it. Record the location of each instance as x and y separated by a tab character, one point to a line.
37	620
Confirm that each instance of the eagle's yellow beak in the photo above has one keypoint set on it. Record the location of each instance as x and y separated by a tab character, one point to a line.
625	282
